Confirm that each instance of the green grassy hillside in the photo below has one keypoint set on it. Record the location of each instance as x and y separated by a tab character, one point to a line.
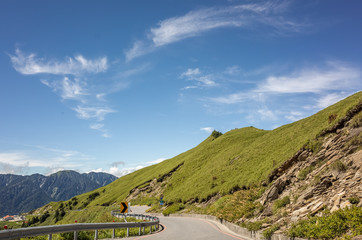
237	159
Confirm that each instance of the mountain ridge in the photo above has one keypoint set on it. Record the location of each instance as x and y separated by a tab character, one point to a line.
25	193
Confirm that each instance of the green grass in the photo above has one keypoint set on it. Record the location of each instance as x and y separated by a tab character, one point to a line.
173	209
241	204
238	159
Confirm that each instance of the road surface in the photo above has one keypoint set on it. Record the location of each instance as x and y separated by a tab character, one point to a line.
185	228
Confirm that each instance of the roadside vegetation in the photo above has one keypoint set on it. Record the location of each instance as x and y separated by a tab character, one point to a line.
344	223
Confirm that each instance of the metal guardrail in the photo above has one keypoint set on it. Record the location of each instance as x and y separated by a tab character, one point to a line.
49	230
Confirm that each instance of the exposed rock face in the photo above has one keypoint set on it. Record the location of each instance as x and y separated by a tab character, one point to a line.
328	178
151	188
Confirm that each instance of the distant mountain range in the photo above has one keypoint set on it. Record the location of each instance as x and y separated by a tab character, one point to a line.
20	194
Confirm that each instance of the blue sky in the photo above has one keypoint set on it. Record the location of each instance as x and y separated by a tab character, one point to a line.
118	85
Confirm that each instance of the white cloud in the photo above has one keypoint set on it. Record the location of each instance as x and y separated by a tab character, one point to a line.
74	86
335	76
139	48
232	70
118	168
22	160
116	164
106	135
96	126
207	129
195	23
118	172
294	116
69	89
202	80
232	98
330	99
97	113
30	64
53	170
190	73
159	160
267	114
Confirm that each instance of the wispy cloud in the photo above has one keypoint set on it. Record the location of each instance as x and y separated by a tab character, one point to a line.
100	127
139	48
97	113
332	76
191	73
294	116
195	23
73	83
207	129
335	76
119	163
40	157
282	95
68	88
330	99
202	80
31	64
119	168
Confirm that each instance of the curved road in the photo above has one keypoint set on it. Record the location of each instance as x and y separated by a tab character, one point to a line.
184	228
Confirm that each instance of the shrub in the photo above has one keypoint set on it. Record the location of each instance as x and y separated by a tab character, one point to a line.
92	196
281	203
253	226
216	134
314	145
304	172
354	200
332	117
344	222
338	166
44	216
267	233
173	209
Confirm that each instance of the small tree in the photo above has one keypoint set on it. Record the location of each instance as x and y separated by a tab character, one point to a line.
216	134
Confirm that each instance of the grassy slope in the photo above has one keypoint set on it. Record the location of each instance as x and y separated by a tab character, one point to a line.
241	157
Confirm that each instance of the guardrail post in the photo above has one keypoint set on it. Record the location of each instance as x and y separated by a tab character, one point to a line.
114	233
50	237
75	235
127	232
139	231
151	229
96	234
143	231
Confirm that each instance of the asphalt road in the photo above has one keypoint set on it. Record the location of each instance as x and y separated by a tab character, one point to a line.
184	228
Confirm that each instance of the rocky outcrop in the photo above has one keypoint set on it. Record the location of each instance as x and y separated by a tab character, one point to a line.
153	187
330	178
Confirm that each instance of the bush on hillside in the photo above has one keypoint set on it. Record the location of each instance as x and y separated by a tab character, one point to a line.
338	166
281	202
92	196
344	223
267	233
304	172
216	134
